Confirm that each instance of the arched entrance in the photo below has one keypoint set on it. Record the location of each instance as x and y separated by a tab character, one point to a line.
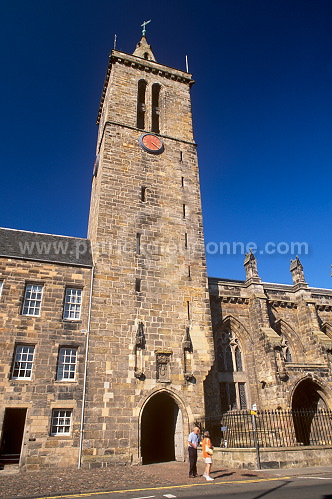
306	403
161	430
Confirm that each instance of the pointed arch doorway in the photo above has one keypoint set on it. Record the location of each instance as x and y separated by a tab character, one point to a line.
308	400
161	430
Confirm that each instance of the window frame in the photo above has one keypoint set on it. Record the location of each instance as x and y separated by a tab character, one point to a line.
231	389
72	305
22	361
55	422
61	366
234	388
229	353
27	300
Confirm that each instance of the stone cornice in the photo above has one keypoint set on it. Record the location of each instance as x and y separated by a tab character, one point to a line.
143	65
282	303
324	307
295	366
234	299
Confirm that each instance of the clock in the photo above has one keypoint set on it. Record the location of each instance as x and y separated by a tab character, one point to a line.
151	143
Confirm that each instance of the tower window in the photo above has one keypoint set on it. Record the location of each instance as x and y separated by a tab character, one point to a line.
138	285
141	104
182	181
186	241
181	156
143	194
138	244
155	107
184	211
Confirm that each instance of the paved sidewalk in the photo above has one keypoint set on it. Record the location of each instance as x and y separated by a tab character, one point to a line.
57	482
313	470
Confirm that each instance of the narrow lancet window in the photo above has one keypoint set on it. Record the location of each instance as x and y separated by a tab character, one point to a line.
238	359
141	104
138	285
138	244
155	108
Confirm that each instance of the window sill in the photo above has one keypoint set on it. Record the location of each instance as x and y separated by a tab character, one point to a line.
21	379
60	437
65	381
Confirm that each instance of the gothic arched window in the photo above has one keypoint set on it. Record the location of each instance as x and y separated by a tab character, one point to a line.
231	375
229	353
229	359
141	104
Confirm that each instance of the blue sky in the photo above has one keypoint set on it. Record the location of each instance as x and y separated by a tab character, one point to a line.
262	107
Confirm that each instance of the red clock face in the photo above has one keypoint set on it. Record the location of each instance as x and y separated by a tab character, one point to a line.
151	143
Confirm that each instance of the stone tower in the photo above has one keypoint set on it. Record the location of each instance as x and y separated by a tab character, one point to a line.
151	344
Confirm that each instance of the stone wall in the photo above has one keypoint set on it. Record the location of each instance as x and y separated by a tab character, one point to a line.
47	333
286	457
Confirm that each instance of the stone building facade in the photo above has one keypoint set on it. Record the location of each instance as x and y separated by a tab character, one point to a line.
108	339
273	343
44	307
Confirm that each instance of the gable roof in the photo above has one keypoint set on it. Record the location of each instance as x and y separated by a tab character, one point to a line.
45	247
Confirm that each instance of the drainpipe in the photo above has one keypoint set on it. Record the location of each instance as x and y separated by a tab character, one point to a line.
85	372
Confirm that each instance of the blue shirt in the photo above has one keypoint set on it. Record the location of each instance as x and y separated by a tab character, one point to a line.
194	438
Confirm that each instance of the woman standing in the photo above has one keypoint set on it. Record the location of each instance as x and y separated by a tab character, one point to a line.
207	448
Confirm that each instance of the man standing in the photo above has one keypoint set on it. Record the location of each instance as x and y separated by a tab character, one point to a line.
193	442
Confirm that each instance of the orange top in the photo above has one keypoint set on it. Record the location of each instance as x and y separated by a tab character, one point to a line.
206	442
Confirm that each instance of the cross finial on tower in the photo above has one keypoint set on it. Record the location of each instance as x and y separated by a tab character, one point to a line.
144	27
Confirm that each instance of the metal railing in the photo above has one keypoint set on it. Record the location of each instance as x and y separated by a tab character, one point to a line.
244	429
